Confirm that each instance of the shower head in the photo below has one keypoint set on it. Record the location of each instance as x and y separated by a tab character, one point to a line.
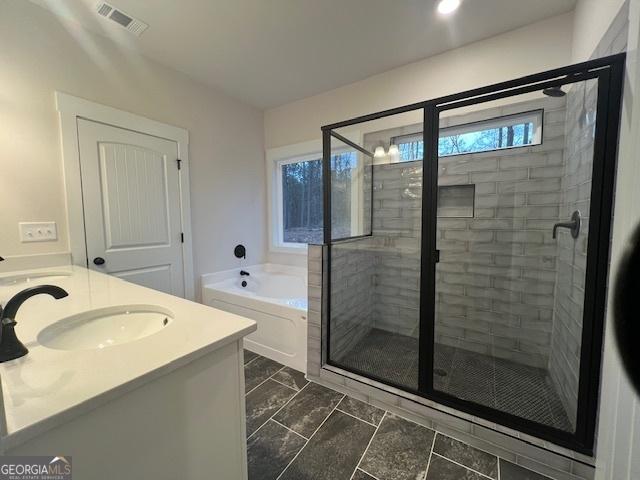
554	92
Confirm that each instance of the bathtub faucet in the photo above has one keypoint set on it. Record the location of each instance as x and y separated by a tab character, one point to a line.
244	273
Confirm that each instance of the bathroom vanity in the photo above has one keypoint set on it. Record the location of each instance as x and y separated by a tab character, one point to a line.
128	381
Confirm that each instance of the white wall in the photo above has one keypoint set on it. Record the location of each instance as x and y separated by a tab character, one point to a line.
534	48
618	437
592	19
39	55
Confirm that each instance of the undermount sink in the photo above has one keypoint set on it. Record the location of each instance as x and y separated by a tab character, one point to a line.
105	327
31	278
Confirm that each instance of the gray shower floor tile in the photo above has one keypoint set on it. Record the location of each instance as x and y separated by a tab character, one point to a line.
350	440
497	383
390	357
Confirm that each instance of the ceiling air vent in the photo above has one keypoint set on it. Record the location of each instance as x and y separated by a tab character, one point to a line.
134	25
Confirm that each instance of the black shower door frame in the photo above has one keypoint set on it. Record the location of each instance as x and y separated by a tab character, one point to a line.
608	71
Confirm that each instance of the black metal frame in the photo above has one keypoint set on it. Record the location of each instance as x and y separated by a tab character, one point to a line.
609	73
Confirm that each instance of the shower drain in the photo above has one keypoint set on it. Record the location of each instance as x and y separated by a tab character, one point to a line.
440	372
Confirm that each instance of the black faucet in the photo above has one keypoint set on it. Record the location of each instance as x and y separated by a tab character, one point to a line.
244	273
573	225
10	347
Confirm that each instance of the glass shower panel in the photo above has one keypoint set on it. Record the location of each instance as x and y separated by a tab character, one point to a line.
351	170
375	249
510	281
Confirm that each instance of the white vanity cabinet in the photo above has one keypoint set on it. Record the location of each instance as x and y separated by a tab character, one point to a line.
168	406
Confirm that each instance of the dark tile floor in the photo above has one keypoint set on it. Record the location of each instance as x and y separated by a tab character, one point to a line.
502	384
298	430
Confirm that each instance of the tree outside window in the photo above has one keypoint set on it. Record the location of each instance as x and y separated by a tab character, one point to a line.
302	215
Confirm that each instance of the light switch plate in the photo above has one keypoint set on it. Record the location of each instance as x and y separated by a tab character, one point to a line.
38	232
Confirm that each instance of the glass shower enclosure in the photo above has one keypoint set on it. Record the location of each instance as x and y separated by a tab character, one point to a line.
467	241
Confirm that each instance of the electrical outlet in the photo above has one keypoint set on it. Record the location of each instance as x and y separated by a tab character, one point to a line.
38	232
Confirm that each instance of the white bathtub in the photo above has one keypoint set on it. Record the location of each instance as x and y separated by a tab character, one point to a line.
275	296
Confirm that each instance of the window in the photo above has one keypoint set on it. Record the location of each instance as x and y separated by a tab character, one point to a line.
520	130
411	147
301	183
297	201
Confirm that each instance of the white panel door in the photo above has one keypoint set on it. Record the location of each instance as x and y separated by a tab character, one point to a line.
131	196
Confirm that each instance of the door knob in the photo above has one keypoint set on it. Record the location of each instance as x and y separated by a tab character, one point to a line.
98	261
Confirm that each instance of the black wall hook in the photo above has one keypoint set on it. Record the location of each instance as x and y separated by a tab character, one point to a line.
240	251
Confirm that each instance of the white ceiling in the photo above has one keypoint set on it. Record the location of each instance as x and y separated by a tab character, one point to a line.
270	52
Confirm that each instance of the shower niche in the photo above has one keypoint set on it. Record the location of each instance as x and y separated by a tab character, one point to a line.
444	277
456	201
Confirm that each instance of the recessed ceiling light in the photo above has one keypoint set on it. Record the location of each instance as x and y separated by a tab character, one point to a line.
448	6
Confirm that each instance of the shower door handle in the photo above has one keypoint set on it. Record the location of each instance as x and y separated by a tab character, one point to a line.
437	256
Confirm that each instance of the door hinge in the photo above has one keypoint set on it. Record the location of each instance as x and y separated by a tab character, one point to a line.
182	238
179	162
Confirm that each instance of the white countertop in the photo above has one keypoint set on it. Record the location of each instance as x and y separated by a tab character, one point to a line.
48	387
